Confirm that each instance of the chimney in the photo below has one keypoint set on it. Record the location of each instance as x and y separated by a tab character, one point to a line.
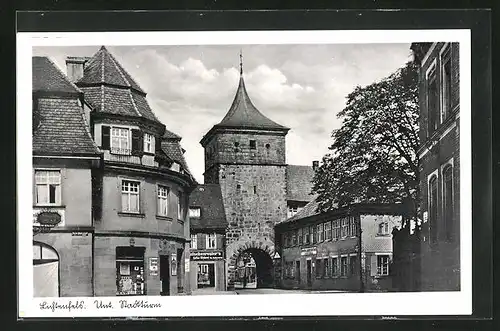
75	66
315	165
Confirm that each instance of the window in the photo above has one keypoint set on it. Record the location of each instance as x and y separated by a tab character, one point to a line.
268	146
48	187
335	267
211	241
292	210
238	188
432	101
353	264
255	189
446	85
352	227
162	200
336	229
253	145
345	227
299	236
382	265
328	230
326	268
448	200
194	241
319	230
149	141
120	141
130	196
306	235
195	212
383	228
294	237
180	206
313	232
343	266
433	208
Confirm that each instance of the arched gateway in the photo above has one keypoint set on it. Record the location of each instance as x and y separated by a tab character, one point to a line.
251	265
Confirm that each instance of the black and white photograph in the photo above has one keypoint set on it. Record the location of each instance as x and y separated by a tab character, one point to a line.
244	170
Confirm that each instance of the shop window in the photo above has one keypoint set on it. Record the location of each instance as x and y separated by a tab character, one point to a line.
382	265
48	187
45	271
211	241
343	266
130	277
162	200
448	201
194	241
130	196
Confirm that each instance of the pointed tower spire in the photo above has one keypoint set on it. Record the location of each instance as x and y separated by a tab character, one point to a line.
241	62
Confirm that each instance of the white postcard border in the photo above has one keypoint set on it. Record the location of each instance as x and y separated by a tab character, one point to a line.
384	304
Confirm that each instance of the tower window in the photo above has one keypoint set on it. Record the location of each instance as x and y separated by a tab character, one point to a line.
255	190
268	146
252	144
238	187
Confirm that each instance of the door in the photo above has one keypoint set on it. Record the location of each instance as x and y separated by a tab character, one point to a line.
164	275
297	271
211	274
309	273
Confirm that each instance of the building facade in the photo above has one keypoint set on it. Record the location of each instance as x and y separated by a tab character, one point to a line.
133	223
208	239
320	251
439	158
245	156
62	191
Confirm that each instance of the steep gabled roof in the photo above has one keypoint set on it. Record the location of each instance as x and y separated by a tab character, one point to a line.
208	198
110	89
46	77
172	148
60	127
299	182
310	209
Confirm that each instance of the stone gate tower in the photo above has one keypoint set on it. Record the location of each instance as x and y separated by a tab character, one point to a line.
245	155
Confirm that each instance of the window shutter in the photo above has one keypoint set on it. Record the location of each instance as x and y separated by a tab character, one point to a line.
373	268
157	143
137	142
105	137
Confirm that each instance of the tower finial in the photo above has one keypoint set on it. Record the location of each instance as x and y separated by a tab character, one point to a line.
241	62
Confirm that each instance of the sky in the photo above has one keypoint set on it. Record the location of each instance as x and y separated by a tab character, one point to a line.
303	87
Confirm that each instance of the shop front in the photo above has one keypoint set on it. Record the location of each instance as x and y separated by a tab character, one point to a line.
209	272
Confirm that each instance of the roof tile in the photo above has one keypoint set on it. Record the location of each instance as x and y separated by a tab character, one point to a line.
299	182
209	198
47	77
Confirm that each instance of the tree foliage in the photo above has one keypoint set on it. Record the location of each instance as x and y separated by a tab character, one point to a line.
373	157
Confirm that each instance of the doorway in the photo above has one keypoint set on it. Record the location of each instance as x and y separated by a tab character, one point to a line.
206	275
309	273
164	275
297	271
45	271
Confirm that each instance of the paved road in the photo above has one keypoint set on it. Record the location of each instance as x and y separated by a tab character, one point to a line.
279	291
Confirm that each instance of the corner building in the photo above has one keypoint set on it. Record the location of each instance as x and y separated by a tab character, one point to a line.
140	193
245	155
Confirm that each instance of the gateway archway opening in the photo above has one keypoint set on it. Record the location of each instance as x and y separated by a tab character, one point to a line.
45	271
254	269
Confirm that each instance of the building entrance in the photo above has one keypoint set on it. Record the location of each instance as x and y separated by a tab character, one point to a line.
309	273
164	275
254	269
45	271
206	275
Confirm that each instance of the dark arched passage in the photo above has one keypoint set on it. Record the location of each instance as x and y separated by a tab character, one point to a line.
254	269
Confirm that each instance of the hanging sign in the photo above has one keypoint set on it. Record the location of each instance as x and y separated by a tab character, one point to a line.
173	265
204	255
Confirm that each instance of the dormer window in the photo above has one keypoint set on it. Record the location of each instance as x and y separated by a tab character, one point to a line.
194	212
120	141
149	143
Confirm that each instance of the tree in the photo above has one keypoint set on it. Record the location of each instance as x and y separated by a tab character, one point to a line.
374	153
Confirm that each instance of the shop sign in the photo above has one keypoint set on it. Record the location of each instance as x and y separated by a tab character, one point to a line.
153	266
173	265
204	256
308	251
186	265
